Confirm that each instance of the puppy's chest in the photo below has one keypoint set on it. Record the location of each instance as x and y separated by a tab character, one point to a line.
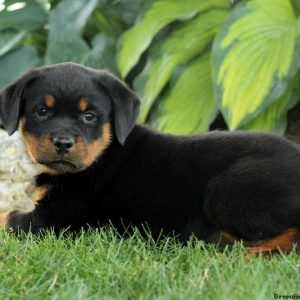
75	196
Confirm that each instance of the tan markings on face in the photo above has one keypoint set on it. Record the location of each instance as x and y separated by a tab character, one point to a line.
83	104
3	219
35	146
96	148
50	101
40	193
90	152
82	156
30	141
45	149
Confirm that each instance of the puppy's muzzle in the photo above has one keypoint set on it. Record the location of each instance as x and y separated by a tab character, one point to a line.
63	143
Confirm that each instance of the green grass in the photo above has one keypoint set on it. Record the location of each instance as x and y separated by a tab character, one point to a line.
101	265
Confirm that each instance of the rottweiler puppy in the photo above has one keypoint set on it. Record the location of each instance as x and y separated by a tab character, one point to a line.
97	167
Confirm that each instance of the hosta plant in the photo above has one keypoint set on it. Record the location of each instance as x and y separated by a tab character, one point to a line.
249	73
189	61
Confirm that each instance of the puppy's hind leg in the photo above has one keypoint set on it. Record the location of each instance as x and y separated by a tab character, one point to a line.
286	242
252	206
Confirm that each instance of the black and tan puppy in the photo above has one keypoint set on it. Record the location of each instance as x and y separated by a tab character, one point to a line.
97	166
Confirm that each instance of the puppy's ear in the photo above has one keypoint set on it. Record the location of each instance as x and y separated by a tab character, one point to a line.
126	104
11	101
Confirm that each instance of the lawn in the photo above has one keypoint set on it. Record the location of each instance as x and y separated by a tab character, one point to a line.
101	265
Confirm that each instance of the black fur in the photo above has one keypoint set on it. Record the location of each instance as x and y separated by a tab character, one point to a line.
244	184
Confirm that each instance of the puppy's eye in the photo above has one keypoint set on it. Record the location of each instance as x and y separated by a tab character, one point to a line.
42	112
89	117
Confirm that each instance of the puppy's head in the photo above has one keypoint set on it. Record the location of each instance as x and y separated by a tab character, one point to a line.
68	114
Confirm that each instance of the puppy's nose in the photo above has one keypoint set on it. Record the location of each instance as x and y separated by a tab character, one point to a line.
63	144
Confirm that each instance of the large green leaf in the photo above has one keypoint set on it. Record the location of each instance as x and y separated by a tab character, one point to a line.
296	5
67	20
274	117
11	2
185	43
107	23
71	48
254	57
102	55
161	13
31	17
126	11
70	16
190	106
9	39
15	63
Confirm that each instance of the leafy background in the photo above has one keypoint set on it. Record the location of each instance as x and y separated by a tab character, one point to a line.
191	62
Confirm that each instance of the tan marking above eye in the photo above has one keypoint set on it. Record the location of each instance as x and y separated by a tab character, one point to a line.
50	101
83	104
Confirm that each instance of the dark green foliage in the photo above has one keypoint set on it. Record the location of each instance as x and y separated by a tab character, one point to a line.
242	54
